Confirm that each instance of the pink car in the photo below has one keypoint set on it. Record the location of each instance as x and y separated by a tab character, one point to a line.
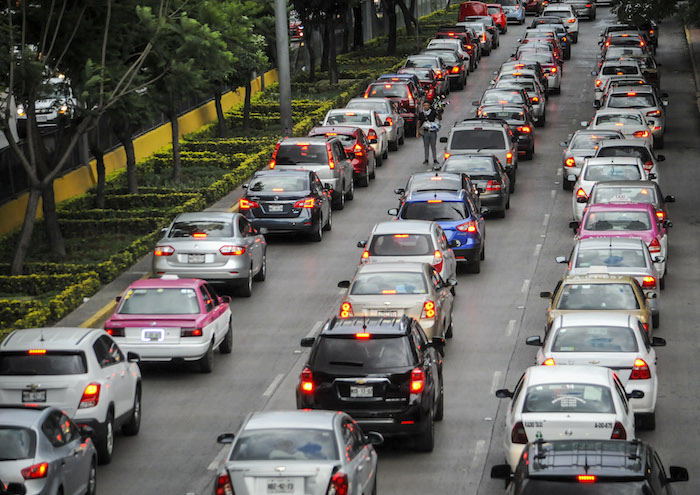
171	318
627	220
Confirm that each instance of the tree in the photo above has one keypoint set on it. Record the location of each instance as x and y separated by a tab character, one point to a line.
389	7
637	11
690	13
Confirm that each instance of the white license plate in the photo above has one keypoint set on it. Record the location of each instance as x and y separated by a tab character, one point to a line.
359	392
42	118
195	258
387	313
275	485
276	208
152	334
33	395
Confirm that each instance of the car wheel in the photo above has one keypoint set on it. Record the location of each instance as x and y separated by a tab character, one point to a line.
501	213
226	346
449	332
508	203
385	154
556	91
655	319
373	173
512	185
426	440
648	421
245	289
317	234
522	21
542	120
574	38
105	445
206	362
529	153
131	428
394	145
378	160
329	221
351	193
339	200
475	267
659	142
262	273
662	283
567	185
402	138
92	479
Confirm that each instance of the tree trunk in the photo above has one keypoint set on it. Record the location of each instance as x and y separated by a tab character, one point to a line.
332	53
25	236
221	122
51	225
246	105
175	128
390	11
101	176
345	48
407	17
124	136
358	34
309	43
414	16
326	47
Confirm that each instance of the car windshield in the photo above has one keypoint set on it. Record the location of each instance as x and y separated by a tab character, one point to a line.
640	152
201	229
612	172
278	182
509	115
631	99
624	194
502	97
401	245
446	53
542	58
613	257
526	84
42	363
293	444
562	14
620	119
16	443
612	296
477	139
595	339
470	165
589	141
569	398
361	354
298	153
159	302
618	221
349	118
389	90
620	70
388	283
423	74
614	52
442	211
377	106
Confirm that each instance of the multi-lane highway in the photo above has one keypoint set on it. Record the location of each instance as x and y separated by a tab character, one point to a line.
183	411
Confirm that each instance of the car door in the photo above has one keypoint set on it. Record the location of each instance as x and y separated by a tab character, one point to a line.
476	213
513	413
118	386
353	464
346	169
448	255
62	458
429	359
626	414
443	302
320	196
211	326
79	454
382	131
252	243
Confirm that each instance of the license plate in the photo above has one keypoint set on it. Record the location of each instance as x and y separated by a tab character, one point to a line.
195	258
387	313
359	392
276	208
42	118
152	334
280	486
33	395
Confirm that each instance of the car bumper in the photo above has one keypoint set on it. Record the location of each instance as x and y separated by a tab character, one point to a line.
167	352
587	12
513	454
524	144
567	171
515	15
231	271
492	202
286	225
554	80
646	404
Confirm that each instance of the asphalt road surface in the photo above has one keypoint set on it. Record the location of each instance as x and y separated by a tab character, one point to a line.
184	411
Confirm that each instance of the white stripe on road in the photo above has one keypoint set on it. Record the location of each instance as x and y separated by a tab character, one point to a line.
526	285
275	383
496	381
538	248
554	193
315	329
479	451
560	171
546	219
510	328
219	458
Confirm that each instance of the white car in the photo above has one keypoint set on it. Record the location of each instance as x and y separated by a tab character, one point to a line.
614	68
645	99
603	169
81	371
632	147
369	121
629	122
566	403
567	14
388	112
616	341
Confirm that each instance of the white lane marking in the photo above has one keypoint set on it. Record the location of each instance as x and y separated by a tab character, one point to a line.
526	285
314	329
510	327
538	248
560	171
218	459
554	193
546	219
479	451
496	381
275	383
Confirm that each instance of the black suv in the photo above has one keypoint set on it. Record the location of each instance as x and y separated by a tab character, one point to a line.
382	371
582	467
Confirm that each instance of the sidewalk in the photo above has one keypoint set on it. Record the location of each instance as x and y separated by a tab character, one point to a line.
692	36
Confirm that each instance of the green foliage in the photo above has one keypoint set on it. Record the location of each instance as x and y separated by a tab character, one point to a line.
637	11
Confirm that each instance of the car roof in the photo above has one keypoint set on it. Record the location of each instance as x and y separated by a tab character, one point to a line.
596	375
642	88
158	283
498	123
613	160
627	183
623	142
50	338
18	415
394	266
404	227
283	171
594	318
205	215
308	418
350	110
424	196
304	139
610	242
620	62
370	324
597	278
620	207
598	131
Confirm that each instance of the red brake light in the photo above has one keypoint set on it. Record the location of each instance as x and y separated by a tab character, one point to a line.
307	381
199	235
598	82
455	69
437	260
428	310
518	434
526	129
305	203
534	99
509	158
631	93
641	369
649	282
660	215
273	161
655	246
648	166
417	381
365	255
223	485
641	134
163	251
586	478
246	204
570	162
232	250
548	362
470	226
571	21
331	163
447	155
115	332
493	185
190	332
434	201
619	432
581	193
36	471
91	396
654	113
36	351
338	485
469	47
346	310
389	120
361	335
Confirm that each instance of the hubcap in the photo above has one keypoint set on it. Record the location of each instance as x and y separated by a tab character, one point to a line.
92	481
110	437
137	409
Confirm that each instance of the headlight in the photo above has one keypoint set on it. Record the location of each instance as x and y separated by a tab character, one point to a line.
63	109
20	110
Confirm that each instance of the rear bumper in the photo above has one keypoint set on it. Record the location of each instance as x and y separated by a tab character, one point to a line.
303	223
189	351
524	144
468	254
218	274
492	202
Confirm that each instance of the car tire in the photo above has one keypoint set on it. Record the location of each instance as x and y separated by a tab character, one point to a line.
206	362
542	120
529	153
440	411
512	185
373	173
226	346
475	267
646	421
339	201
426	440
402	139
350	195
317	234
508	203
574	38
659	143
394	145
378	160
92	479
245	289
505	28
567	185
662	283
655	319
131	428
262	273
500	213
105	444
385	155
449	332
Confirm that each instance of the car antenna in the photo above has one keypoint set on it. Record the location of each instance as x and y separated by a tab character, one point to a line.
42	336
364	322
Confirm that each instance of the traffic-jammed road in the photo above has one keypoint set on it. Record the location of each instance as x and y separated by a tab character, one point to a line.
184	411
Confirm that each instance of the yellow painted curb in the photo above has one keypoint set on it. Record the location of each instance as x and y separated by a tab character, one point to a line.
234	208
102	313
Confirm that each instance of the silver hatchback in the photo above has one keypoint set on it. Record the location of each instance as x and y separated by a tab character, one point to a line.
218	247
293	452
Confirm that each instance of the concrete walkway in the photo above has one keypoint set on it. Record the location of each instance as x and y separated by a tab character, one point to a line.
692	36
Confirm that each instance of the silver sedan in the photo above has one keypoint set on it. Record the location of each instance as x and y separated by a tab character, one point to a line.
388	112
216	246
289	452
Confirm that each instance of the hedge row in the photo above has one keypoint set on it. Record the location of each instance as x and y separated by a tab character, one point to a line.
11	311
230	146
99	214
197	159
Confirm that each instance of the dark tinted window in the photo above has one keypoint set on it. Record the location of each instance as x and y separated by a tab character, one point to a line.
16	443
477	139
51	363
569	397
589	141
297	153
389	90
452	210
107	352
594	339
362	354
598	297
201	229
622	70
422	62
401	245
423	74
159	302
285	444
634	151
448	56
276	183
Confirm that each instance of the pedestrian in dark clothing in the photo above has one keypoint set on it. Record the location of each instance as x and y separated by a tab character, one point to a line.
428	126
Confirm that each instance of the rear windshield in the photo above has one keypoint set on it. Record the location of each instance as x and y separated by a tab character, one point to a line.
359	354
562	14
623	51
389	90
477	139
273	183
618	221
569	486
435	183
298	153
469	165
423	74
16	443
159	302
526	84
589	141
622	70
598	297
508	115
632	194
50	363
537	57
620	118
349	118
401	245
631	100
619	258
429	62
476	26
612	172
493	10
388	283
595	339
203	228
445	211
569	397
379	107
502	98
445	53
285	445
508	3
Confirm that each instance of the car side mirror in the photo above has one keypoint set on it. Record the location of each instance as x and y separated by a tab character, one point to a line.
225	438
658	342
571	178
387	124
393	211
596	104
635	394
399	191
475	103
362	244
118	298
581	199
677	473
659	259
564	144
546	295
86	432
225	299
668	223
504	393
451	282
438	343
132	357
670	199
651	176
664	103
561	259
501	472
344	284
307	341
495	73
454	243
373	141
594	72
245	186
374	438
573	225
492	82
661	158
263	230
485	211
164	230
443	139
327	186
535	340
584	123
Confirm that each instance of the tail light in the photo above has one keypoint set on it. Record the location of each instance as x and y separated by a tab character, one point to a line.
588	5
389	120
305	203
571	21
223	485
470	226
649	282
564	38
526	128
661	216
115	332
36	471
431	94
307	381
618	432
552	70
654	113
655	246
428	310
455	69
493	185
365	256
346	310
586	478
518	434
646	327
483	38
641	368
581	193
273	161
232	250
534	99
338	485
417	381
163	251
509	158
447	155
357	149
641	134
246	204
548	362
648	166
91	396
191	332
411	101
598	82
437	260
331	162
570	162
607	43
469	47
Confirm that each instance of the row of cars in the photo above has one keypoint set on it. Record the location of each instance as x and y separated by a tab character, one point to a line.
572	419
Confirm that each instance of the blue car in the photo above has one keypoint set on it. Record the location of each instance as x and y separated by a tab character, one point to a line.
513	9
459	218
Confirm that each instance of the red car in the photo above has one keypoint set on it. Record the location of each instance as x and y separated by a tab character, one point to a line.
354	141
427	78
403	93
534	6
499	17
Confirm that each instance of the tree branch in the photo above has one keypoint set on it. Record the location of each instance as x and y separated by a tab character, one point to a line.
55	32
46	28
20	154
72	35
79	131
104	52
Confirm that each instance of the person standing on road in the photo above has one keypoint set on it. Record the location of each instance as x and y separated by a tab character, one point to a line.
428	127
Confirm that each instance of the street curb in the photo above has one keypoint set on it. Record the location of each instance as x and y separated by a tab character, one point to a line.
696	72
